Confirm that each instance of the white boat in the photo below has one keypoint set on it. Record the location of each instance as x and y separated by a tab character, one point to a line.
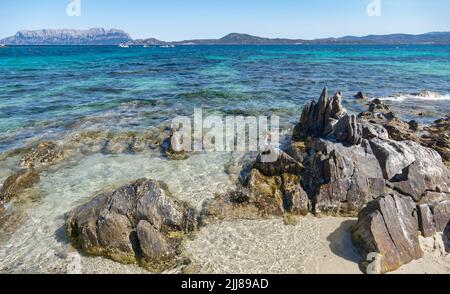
2	46
124	46
167	46
146	46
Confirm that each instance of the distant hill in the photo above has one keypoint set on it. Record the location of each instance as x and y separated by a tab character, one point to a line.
115	37
68	37
244	39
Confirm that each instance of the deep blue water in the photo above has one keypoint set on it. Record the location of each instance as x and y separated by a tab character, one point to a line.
50	90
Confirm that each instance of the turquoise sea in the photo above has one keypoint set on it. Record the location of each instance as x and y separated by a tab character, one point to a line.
59	93
46	91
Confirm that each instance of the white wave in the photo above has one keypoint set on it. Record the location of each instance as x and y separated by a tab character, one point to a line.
425	95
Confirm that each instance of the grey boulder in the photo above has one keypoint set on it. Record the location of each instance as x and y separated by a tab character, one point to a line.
139	222
389	226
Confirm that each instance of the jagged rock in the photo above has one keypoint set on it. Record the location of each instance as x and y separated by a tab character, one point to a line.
17	183
265	193
283	164
378	106
412	168
318	119
341	179
276	195
371	131
360	95
441	213
348	130
295	199
139	222
45	153
438	138
297	150
413	125
275	188
438	205
389	226
426	222
156	249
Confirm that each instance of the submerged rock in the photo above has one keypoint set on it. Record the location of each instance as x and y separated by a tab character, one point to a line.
17	183
378	105
139	222
360	95
389	226
170	151
45	153
119	142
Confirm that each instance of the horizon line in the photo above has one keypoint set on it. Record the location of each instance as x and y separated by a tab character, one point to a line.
217	38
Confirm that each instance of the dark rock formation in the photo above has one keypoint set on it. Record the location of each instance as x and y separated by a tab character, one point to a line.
17	183
389	226
438	138
434	213
138	222
411	168
275	188
318	119
352	160
341	179
378	106
360	95
413	125
348	130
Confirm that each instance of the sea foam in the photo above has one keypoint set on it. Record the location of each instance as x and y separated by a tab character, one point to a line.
425	95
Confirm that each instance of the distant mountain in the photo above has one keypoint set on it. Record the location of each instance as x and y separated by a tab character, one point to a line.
68	37
115	37
428	38
241	39
244	39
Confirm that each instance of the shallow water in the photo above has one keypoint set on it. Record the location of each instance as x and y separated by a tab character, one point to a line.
39	240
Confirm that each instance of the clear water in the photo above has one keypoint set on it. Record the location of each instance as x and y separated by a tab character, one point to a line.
50	92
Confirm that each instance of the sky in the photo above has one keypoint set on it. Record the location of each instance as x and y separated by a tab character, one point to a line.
173	20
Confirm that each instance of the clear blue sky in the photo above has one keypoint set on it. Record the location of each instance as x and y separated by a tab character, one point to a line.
185	19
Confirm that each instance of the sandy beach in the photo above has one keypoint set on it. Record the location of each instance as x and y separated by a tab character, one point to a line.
313	246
